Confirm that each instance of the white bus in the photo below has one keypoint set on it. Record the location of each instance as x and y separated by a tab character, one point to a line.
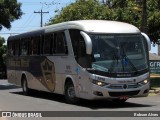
88	59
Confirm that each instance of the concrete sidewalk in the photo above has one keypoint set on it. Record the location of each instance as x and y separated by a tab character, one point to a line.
4	85
155	90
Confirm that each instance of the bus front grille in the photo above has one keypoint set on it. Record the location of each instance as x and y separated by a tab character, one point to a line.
121	86
130	93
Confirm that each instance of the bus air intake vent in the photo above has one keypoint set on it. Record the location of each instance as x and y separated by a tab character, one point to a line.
121	86
130	93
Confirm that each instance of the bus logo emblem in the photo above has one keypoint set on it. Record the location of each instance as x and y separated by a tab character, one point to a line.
125	86
48	72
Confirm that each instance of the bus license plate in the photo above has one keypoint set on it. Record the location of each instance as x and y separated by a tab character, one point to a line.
123	97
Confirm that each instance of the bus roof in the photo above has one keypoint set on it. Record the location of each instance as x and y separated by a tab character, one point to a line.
98	26
92	26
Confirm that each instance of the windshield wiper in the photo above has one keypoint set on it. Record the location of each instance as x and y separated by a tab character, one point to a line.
132	65
127	60
124	60
115	59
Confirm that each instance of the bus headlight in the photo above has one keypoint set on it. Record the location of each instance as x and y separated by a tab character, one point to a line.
143	82
99	83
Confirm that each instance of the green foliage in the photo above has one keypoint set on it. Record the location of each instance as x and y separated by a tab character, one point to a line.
127	11
9	11
2	40
82	10
3	50
120	10
153	7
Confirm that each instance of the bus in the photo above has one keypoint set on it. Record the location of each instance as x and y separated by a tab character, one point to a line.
83	59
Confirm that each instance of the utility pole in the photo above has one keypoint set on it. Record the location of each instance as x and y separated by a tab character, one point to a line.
41	12
144	17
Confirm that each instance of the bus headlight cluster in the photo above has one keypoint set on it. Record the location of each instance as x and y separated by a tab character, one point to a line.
99	83
143	82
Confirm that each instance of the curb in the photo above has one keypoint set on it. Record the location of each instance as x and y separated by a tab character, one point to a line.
156	91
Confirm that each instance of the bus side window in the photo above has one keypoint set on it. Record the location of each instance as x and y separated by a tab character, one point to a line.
47	44
79	47
17	48
30	46
24	47
53	44
34	45
61	45
74	35
11	48
82	57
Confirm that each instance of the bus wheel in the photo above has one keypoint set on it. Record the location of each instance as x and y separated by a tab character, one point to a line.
25	88
70	95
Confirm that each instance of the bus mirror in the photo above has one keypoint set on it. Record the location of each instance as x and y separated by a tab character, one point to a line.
148	40
88	42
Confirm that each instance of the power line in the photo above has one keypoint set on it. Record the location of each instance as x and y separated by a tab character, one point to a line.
144	16
47	7
28	19
31	3
41	12
8	33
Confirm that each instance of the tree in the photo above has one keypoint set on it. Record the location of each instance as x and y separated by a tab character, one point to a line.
153	19
82	10
126	11
10	10
120	10
129	11
3	50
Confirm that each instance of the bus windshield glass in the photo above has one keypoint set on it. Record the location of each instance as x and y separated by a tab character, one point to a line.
118	53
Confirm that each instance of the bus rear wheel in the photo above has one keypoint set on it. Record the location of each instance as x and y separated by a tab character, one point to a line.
70	95
25	88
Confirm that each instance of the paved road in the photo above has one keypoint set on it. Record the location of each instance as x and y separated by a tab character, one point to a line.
12	99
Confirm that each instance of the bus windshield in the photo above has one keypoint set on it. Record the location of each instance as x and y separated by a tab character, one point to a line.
118	53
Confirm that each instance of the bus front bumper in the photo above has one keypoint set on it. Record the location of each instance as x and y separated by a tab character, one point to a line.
99	92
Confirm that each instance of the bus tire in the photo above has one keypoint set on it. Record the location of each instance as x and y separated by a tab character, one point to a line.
70	96
26	90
